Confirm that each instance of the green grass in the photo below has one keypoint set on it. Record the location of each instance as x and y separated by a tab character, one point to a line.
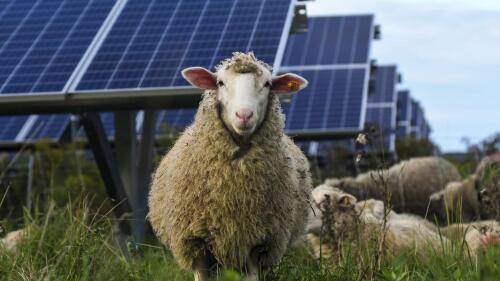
73	243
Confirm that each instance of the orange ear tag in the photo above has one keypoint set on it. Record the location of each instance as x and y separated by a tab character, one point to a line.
292	85
345	200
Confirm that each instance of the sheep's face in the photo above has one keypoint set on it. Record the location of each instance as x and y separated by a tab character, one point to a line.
243	92
333	210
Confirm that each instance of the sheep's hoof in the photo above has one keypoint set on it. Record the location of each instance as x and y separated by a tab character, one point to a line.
205	268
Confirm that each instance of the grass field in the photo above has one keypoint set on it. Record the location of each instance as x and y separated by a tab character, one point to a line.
73	243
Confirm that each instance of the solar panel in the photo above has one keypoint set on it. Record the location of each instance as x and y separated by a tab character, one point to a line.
152	41
331	41
48	126
382	105
385	84
384	117
331	102
11	125
403	113
333	55
42	42
416	119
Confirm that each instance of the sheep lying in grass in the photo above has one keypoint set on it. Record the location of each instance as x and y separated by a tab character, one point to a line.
233	191
11	240
410	183
459	201
478	235
339	219
476	197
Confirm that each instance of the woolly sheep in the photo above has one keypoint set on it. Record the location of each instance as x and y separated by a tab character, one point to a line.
459	201
12	239
410	183
350	220
234	190
479	235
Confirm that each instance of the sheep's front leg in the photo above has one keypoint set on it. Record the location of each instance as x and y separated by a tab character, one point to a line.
203	268
253	267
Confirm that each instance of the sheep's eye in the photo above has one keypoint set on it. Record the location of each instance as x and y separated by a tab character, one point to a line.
267	84
220	83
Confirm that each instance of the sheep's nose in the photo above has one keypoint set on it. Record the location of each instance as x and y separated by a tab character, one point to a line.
244	115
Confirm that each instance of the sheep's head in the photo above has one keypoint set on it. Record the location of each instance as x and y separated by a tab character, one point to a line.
243	84
334	213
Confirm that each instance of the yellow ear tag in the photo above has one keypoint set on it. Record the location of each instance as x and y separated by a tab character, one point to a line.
292	85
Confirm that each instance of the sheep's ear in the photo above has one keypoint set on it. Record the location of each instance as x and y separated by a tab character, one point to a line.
288	83
346	200
200	78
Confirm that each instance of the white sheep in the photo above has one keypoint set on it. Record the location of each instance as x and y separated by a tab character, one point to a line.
338	218
459	201
12	239
410	183
233	191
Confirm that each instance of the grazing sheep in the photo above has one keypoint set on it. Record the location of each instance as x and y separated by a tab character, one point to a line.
338	218
459	201
234	190
410	183
488	174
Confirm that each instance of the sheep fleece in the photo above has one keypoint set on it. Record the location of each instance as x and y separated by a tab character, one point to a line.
207	195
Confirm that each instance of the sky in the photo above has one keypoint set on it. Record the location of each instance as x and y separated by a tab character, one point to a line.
448	52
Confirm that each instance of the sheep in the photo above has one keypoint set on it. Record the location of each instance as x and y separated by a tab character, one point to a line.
459	201
233	191
410	183
479	235
12	239
347	220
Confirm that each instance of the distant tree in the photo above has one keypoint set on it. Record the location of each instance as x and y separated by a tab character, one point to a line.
410	147
491	144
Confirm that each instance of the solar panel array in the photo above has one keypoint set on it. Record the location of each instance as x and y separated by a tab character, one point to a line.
152	41
53	46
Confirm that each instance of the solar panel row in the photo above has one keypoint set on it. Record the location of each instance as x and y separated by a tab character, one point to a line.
43	42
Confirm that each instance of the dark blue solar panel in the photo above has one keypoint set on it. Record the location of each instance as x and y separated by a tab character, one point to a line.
331	40
385	118
152	41
11	125
415	108
403	113
48	126
41	42
332	101
404	105
385	84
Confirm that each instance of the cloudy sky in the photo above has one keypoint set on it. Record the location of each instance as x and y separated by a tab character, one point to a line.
449	54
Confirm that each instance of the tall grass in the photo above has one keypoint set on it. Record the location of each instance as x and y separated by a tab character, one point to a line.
76	243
